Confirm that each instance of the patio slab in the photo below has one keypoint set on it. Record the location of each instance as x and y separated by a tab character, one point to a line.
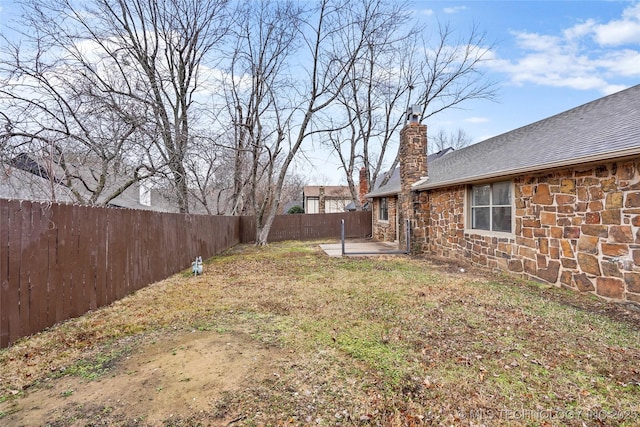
361	249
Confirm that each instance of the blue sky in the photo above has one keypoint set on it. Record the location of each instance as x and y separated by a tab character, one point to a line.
548	57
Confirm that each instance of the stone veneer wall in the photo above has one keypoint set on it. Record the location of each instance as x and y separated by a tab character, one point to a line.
385	230
578	228
413	167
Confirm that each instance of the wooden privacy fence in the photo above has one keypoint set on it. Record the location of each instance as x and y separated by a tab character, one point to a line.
60	261
311	226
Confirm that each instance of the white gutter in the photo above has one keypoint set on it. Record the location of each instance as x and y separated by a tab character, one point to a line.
421	185
373	194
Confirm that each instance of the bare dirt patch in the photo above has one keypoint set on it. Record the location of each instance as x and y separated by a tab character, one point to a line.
183	375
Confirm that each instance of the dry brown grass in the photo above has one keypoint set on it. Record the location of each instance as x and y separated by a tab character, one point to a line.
382	341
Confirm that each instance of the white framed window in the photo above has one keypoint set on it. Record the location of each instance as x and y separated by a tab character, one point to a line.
383	212
313	205
491	207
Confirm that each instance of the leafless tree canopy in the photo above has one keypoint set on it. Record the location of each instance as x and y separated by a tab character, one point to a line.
212	101
442	140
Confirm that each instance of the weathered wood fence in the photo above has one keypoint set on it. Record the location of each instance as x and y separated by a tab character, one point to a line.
60	261
313	226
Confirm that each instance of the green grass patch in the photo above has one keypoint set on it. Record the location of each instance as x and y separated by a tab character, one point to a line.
96	366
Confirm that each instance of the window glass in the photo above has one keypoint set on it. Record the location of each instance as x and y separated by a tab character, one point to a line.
491	207
480	218
501	193
481	195
312	205
384	210
501	219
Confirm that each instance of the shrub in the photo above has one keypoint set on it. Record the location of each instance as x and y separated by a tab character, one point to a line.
295	210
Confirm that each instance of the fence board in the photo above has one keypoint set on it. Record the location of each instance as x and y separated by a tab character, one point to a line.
82	289
15	255
4	274
76	261
59	261
37	255
26	261
52	261
59	284
101	263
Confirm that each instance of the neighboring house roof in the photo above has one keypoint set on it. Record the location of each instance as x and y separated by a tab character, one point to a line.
604	129
352	207
25	178
130	199
392	187
330	191
19	184
24	162
28	177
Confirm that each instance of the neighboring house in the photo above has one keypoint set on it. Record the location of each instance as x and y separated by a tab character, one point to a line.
325	199
24	178
143	196
556	201
18	184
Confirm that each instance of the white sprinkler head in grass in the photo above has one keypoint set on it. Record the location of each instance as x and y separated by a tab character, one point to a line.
196	266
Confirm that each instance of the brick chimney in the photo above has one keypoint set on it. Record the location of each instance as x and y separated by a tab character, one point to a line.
413	167
363	185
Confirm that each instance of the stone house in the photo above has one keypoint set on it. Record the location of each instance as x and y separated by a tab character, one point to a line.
386	220
556	201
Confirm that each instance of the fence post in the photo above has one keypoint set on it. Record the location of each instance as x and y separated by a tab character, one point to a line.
407	235
342	234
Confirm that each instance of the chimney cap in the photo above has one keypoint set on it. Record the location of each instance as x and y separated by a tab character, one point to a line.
413	114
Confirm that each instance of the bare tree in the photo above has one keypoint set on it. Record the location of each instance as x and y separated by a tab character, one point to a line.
144	54
256	96
378	88
456	140
333	39
53	115
437	73
206	170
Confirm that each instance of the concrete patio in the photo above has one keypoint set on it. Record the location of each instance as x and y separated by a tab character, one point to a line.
361	248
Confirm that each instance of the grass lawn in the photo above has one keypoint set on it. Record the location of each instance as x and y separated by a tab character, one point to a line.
356	341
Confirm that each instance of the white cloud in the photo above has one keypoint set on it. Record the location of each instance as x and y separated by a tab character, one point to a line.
580	30
427	12
622	31
537	42
623	62
572	59
455	9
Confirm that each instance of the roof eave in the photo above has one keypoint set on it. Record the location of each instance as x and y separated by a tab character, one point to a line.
537	168
374	194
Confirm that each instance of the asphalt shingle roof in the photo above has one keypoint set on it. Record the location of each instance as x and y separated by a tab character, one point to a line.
603	129
393	185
